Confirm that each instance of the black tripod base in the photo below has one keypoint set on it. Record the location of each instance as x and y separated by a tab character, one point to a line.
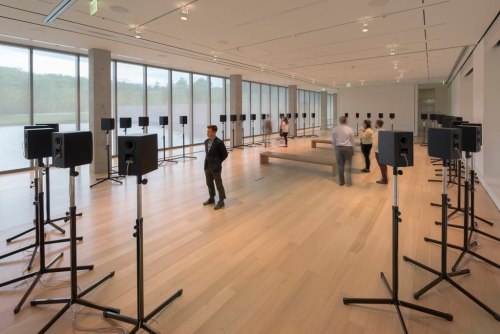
104	179
161	162
74	300
397	303
142	323
447	278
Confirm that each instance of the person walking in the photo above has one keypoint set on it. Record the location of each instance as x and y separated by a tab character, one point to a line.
284	130
343	142
383	168
267	128
216	153
366	138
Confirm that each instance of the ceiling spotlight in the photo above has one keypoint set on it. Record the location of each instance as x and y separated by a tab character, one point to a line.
395	65
137	32
392	52
365	26
214	58
184	13
362	82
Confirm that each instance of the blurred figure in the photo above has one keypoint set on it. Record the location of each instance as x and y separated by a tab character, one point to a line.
343	142
366	138
383	168
284	130
216	153
267	128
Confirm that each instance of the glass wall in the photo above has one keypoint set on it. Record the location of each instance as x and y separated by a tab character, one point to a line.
282	107
218	105
15	110
130	94
245	100
158	103
274	107
255	105
181	106
201	108
84	93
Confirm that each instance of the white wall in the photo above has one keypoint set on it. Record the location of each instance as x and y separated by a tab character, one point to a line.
481	93
398	99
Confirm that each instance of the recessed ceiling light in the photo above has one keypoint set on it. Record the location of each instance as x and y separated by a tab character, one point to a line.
184	13
392	51
119	9
365	26
137	33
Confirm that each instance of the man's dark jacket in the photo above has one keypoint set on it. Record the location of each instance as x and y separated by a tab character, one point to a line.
216	155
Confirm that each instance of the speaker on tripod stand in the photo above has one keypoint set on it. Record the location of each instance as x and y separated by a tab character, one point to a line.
163	121
446	143
232	118
423	117
183	121
144	123
357	124
313	116
396	150
107	124
392	116
243	118
125	123
137	156
71	149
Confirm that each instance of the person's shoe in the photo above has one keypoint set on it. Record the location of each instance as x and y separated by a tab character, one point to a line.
209	201
220	205
382	182
365	170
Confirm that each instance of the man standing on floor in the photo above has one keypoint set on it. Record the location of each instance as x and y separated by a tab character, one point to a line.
343	142
216	153
383	168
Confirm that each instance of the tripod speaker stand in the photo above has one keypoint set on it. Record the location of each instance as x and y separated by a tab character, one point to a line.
107	124
357	125
394	292
442	274
243	118
163	120
183	121
391	117
141	321
66	146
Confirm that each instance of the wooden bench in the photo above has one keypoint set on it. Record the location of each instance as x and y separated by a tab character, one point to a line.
320	141
320	160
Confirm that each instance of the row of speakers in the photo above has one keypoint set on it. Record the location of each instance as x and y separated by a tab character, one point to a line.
369	115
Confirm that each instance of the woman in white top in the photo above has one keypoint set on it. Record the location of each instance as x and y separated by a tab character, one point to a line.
366	137
284	130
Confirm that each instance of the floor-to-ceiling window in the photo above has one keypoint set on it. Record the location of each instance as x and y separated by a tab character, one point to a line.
274	107
246	100
181	106
84	93
218	105
300	108
254	105
15	105
201	107
55	89
283	103
130	94
158	103
265	106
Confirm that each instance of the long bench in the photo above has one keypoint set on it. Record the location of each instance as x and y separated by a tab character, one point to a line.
319	160
320	141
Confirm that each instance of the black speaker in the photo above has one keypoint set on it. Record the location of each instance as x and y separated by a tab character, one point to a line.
480	130
423	117
232	118
223	118
357	115
380	115
296	115
368	115
71	149
163	120
183	120
38	143
137	154
456	123
459	118
392	115
304	115
107	124
447	121
243	117
143	121
432	117
346	114
313	115
282	115
471	138
253	117
445	143
395	148
125	122
288	115
439	118
263	116
54	126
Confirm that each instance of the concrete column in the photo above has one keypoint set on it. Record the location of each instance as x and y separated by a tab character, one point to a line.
99	104
324	109
235	100
292	109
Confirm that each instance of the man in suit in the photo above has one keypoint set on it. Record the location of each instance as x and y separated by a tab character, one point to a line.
216	153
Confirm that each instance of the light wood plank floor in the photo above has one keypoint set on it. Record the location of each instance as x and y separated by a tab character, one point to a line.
278	259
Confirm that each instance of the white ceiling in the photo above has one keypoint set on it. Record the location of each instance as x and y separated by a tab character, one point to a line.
312	43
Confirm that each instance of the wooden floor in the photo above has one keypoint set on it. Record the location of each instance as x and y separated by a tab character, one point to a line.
280	256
